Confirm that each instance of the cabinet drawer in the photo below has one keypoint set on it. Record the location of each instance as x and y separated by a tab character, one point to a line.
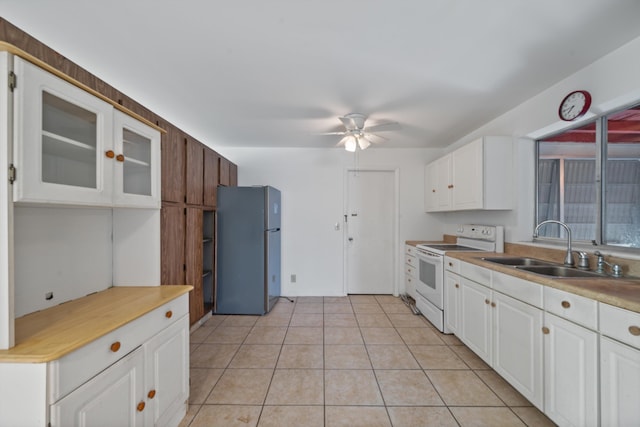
572	307
410	270
620	324
452	264
520	289
410	260
76	368
477	274
410	250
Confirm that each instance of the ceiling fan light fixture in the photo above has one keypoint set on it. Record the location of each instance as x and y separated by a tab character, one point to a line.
363	142
350	144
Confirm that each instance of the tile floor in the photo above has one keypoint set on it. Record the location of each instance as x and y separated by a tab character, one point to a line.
361	360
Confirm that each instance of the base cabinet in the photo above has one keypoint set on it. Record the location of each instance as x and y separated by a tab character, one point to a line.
452	301
475	318
571	373
619	384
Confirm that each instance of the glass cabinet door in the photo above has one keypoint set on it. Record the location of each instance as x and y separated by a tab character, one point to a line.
137	171
62	139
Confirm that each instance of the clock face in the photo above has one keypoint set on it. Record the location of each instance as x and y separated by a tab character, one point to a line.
574	105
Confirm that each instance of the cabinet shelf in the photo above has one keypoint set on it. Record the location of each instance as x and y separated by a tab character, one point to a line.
206	273
65	140
136	162
207	240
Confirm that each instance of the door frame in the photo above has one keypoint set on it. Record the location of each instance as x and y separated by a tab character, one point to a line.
396	223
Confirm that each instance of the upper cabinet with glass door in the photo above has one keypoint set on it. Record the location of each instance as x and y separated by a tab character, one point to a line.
68	143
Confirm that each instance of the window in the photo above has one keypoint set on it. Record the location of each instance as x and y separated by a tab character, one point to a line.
589	178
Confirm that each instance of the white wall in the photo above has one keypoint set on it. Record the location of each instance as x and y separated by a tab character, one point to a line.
312	185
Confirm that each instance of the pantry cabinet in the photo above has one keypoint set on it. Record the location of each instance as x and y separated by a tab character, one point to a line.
195	172
476	176
73	148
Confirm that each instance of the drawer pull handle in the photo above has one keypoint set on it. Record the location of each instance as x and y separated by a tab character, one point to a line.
140	407
487	301
120	157
493	304
409	280
115	346
634	330
545	330
450	264
110	154
566	304
168	314
151	394
457	286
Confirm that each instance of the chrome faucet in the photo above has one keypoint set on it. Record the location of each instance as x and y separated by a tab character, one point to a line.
568	259
616	270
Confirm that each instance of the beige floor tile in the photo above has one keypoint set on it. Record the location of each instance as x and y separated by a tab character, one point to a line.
226	416
266	335
346	357
284	306
380	336
241	387
509	395
469	357
406	320
202	381
304	335
372	320
407	388
486	417
282	416
351	387
214	320
367	308
296	387
421	335
450	339
200	334
421	416
240	320
462	388
356	416
193	347
307	319
228	334
391	356
363	299
213	355
309	299
256	356
274	320
388	299
342	336
341	320
532	417
397	308
192	410
437	357
341	300
337	308
311	307
301	356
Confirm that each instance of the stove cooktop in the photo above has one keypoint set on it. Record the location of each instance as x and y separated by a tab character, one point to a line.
448	247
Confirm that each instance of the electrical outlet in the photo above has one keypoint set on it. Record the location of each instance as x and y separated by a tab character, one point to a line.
293	278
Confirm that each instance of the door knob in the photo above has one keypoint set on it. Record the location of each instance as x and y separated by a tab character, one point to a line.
351	239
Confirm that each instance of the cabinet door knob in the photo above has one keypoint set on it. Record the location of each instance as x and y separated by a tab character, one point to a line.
545	330
487	301
120	157
566	304
457	286
450	264
168	314
493	304
140	407
151	394
634	330
433	190
110	154
409	280
115	346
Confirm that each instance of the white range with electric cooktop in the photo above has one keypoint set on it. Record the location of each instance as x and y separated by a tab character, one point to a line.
430	285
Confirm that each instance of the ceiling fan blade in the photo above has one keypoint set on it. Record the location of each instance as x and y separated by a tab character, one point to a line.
343	141
330	133
383	127
376	139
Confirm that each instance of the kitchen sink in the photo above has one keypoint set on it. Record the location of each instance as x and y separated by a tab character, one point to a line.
558	271
518	261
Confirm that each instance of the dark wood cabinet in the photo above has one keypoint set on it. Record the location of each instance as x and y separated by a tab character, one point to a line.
194	172
193	259
173	158
233	175
210	177
223	170
172	240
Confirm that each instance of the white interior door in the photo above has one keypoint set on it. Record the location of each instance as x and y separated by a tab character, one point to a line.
370	231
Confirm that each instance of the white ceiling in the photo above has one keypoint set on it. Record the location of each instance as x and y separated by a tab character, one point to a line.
273	73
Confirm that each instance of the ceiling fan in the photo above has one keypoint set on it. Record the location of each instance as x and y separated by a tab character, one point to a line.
357	135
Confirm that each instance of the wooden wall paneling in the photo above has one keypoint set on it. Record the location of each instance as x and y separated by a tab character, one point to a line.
223	170
193	260
233	175
173	166
210	177
194	171
172	245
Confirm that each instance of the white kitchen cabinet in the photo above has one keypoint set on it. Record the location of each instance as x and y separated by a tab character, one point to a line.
476	176
72	148
517	346
619	384
410	271
452	301
571	372
475	318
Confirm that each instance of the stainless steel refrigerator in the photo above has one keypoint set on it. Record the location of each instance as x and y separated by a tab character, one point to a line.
248	250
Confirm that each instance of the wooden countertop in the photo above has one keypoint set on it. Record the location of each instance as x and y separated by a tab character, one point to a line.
620	292
49	334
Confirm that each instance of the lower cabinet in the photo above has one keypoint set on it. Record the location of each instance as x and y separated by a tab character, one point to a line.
452	301
475	318
571	373
619	384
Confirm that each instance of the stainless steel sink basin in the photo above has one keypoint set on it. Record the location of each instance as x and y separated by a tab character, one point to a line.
558	271
518	261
